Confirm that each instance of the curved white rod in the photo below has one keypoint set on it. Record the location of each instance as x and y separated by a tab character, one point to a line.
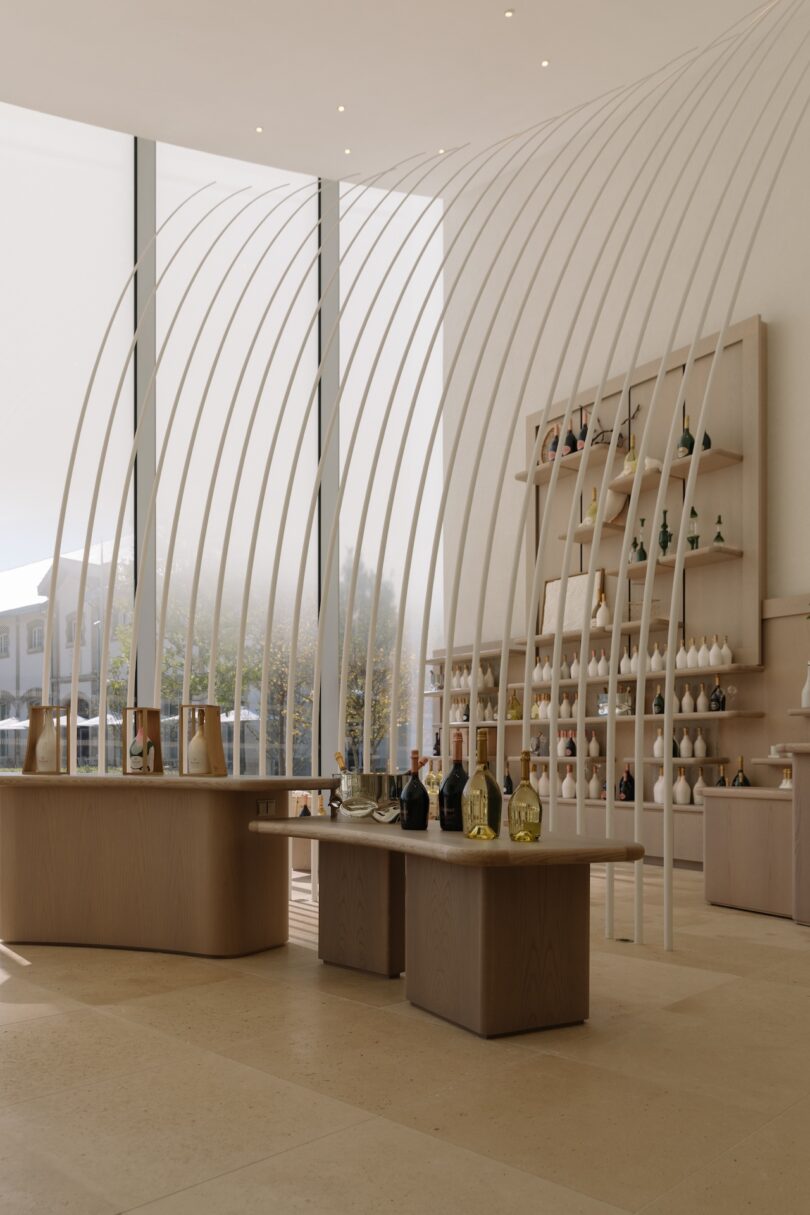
450	461
102	734
189	452
349	604
169	426
690	483
630	514
60	526
429	161
267	467
105	644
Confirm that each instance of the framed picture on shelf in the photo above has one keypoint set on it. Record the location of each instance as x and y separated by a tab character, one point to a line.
576	608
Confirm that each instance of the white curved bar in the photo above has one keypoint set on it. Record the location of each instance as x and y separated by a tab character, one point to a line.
102	740
169	426
60	525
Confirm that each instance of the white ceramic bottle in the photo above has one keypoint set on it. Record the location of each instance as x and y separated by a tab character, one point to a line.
699	786
692	660
565	706
569	785
602	668
562	740
593	665
624	664
687	701
544	707
685	746
699	746
565	670
656	661
198	763
603	613
593	746
543	783
535	708
704	657
715	653
726	653
595	783
537	673
681	790
658	745
702	702
634	661
45	751
681	662
575	666
489	678
465	679
547	671
658	789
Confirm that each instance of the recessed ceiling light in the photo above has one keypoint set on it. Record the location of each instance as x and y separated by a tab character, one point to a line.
544	62
510	12
259	130
341	108
441	151
348	151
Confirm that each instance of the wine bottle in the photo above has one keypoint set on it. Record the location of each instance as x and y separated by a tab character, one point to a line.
508	787
685	747
569	442
726	653
451	790
681	659
594	784
603	667
465	712
136	752
740	781
702	702
593	746
704	654
658	700
525	811
721	782
627	785
543	783
717	700
692	659
198	763
700	748
414	801
570	745
432	786
715	653
554	444
582	437
641	552
686	443
481	801
656	659
658	788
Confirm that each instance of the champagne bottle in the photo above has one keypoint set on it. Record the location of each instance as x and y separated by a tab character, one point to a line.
340	761
481	802
554	444
569	785
686	443
582	437
414	801
717	700
199	763
627	785
641	552
451	790
570	749
437	744
658	700
46	749
508	787
740	781
721	782
569	442
525	811
631	459
432	786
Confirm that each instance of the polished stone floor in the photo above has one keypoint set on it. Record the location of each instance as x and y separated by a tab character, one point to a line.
272	1084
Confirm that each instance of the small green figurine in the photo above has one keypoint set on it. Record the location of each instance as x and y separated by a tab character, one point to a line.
693	537
641	552
664	536
719	538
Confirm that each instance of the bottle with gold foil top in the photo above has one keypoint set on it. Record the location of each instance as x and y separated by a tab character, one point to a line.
481	802
525	811
631	459
432	786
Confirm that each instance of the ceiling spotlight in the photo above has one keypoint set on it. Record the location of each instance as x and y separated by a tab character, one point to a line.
441	151
544	62
341	108
259	130
510	12
348	151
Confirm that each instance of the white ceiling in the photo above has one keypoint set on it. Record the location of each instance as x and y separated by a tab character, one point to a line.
414	76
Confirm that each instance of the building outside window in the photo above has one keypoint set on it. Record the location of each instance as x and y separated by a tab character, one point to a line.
5	637
36	636
70	630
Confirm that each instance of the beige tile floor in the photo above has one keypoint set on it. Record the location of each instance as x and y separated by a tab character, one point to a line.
272	1084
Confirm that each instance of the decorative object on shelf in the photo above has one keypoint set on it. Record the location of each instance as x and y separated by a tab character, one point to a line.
787	779
593	746
665	536
704	659
603	667
699	746
593	666
537	673
551	444
535	708
641	552
565	670
525	812
595	783
686	443
565	706
726	653
432	784
515	709
545	707
602	618
141	753
697	789
658	789
465	679
717	700
658	700
482	802
687	700
489	678
631	459
702	702
591	512
533	777
574	666
569	785
437	744
740	781
681	658
582	437
508	787
656	659
562	743
451	790
634	553
707	442
43	751
465	712
414	801
692	658
540	744
805	699
715	653
543	783
200	737
685	746
681	790
624	664
627	785
576	606
634	661
693	535
721	782
658	745
569	444
547	671
570	745
718	535
623	706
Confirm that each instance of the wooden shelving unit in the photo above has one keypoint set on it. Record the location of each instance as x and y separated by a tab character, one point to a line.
710	461
678	761
710	554
567	464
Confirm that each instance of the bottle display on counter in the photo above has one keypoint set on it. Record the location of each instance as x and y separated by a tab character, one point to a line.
414	801
198	762
452	788
482	801
525	812
432	786
740	781
721	782
46	749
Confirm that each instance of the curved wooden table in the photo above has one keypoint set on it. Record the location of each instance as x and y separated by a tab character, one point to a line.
492	936
144	862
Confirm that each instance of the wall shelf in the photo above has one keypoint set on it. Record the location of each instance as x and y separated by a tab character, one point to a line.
689	675
567	464
798	712
709	554
628	628
775	761
710	461
679	761
583	534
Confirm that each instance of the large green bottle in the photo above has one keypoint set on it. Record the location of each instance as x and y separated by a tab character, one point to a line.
481	802
525	811
686	443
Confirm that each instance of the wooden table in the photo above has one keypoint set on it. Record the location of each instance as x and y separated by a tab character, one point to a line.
492	936
144	862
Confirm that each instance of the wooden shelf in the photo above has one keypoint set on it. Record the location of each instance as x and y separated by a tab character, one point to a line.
460	653
583	534
679	762
690	675
710	461
798	712
775	761
617	805
461	693
710	554
628	628
567	464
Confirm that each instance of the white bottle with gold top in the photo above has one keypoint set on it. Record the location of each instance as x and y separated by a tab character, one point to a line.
198	763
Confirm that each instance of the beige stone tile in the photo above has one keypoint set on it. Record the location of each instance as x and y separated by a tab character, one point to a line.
726	954
768	1173
373	1168
33	1184
48	1054
22	1001
729	925
149	1133
621	1139
293	963
104	976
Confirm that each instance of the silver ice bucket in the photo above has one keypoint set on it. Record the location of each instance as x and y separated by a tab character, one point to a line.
369	794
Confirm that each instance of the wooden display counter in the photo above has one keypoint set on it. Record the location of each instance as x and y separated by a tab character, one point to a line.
748	849
496	935
157	862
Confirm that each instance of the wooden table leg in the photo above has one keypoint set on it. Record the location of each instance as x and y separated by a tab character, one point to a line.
361	917
498	950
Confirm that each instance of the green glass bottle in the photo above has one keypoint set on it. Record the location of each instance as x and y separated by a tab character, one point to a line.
686	443
658	700
481	802
740	781
721	782
525	811
641	553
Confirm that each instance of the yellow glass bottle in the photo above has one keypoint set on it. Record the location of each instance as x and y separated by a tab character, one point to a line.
525	811
481	801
